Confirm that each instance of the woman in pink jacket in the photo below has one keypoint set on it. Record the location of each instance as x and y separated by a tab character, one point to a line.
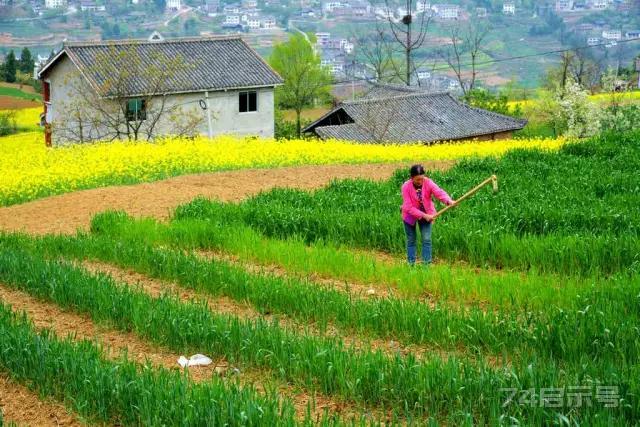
418	210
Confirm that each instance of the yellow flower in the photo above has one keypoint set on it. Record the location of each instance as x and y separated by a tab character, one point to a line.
30	170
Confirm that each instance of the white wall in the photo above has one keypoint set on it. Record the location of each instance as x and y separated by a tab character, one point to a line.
224	107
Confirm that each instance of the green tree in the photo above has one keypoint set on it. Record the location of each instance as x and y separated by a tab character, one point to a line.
10	67
191	27
305	80
26	61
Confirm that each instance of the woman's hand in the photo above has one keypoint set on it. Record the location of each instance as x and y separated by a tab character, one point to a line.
427	217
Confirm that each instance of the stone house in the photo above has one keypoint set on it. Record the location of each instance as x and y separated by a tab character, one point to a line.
222	86
401	114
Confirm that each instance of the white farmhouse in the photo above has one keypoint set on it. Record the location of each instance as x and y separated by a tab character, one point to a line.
564	5
598	4
232	19
446	11
269	23
612	34
593	41
173	5
509	8
253	22
55	4
422	6
225	87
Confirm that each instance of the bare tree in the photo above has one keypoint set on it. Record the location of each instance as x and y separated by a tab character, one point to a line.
585	70
464	52
378	119
375	51
127	99
408	35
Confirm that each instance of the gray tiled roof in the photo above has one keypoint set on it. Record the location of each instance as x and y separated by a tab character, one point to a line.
410	117
209	63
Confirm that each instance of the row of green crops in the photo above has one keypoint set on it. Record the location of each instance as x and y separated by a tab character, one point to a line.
447	283
573	211
548	334
122	393
596	345
456	390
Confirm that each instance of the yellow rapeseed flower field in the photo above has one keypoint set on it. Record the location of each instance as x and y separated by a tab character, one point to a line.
27	119
30	170
628	97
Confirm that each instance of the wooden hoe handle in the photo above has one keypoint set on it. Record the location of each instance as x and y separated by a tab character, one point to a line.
492	179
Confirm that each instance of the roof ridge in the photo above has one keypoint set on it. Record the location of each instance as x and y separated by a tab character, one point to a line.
88	43
402	96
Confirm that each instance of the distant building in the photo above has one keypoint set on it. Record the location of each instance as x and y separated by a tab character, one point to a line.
174	4
253	22
307	13
249	4
423	74
39	63
593	41
269	22
322	39
330	6
346	46
232	19
612	34
564	5
422	6
635	34
334	62
598	4
481	12
233	8
509	8
55	4
446	11
91	6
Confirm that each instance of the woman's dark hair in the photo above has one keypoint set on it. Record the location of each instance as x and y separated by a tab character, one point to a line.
416	170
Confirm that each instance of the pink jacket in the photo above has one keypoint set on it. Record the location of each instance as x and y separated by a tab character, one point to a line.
410	204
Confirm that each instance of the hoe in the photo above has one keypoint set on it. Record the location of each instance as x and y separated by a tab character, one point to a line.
492	179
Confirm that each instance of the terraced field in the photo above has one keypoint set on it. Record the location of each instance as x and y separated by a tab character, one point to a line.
529	316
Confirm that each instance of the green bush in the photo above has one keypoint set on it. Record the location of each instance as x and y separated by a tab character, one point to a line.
8	124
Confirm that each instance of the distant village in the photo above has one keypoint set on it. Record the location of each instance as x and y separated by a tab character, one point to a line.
266	19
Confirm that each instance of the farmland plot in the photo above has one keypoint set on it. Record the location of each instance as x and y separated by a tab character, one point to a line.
530	316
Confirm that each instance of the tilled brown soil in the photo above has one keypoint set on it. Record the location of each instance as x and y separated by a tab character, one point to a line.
23	407
68	212
226	305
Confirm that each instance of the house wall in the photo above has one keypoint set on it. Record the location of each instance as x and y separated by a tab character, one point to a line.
224	105
491	136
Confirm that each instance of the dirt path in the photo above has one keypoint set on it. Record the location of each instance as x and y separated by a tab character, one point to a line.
68	212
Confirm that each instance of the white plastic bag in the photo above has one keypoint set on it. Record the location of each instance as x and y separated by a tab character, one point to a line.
195	360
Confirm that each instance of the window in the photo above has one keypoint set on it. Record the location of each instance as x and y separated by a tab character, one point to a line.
248	101
136	110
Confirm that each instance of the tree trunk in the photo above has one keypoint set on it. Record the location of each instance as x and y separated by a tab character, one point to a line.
408	53
298	127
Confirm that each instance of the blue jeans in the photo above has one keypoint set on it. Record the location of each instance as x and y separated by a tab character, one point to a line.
425	235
